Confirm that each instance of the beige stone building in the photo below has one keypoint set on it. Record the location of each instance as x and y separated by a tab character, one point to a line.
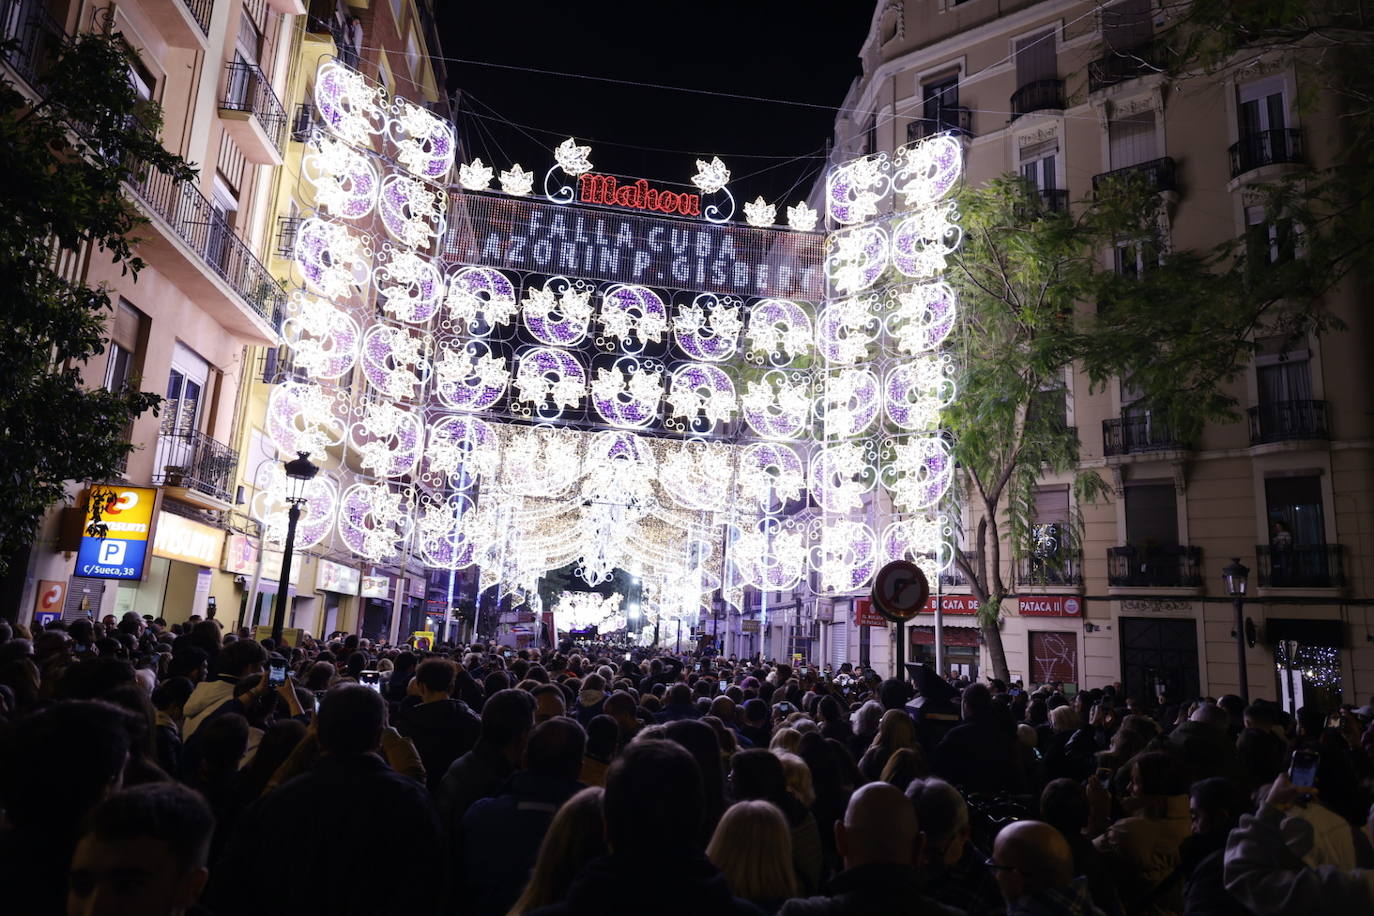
1064	92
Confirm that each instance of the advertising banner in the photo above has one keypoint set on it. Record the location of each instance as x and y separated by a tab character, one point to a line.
1049	606
127	516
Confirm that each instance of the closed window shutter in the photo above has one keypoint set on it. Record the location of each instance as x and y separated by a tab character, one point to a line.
1132	139
124	329
1035	59
79	589
839	643
1054	657
1151	515
1052	505
1126	25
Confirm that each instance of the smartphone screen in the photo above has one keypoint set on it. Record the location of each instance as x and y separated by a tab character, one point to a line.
1303	771
372	680
697	667
724	686
802	671
276	674
627	656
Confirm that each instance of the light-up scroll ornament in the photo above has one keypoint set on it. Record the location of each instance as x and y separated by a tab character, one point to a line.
708	328
409	286
462	450
845	329
760	213
634	316
301	418
475	175
856	258
850	401
270	507
924	540
471	377
557	313
771	554
395	361
424	143
387	439
711	178
918	472
573	161
345	180
770	475
332	260
696	474
323	339
926	171
777	406
801	217
414	213
448	532
923	318
550	380
539	461
915	391
482	298
517	182
349	105
846	555
923	242
627	393
701	396
840	476
375	520
854	191
779	331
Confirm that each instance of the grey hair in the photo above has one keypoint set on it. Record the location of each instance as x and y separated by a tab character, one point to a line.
867	717
940	810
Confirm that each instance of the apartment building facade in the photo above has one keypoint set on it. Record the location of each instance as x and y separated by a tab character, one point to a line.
183	328
1064	93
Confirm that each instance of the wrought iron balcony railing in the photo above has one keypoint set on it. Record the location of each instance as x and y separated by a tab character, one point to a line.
247	88
1154	567
303	122
954	120
194	220
1283	421
189	458
287	227
1120	66
33	39
1265	147
201	11
1063	567
1134	435
1305	566
1158	173
1040	95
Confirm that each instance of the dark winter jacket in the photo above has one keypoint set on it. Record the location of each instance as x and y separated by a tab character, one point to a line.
442	731
479	773
1073	900
671	884
980	756
869	890
1204	888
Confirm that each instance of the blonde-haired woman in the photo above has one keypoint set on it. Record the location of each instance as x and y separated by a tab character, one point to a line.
575	837
752	846
798	778
786	740
896	730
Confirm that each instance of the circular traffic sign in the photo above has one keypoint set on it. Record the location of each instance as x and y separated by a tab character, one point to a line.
900	591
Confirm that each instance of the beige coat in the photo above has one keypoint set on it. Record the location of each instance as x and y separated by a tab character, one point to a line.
1142	851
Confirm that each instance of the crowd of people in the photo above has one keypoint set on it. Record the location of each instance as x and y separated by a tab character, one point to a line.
148	769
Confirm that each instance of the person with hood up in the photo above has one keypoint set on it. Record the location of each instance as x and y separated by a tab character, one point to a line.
591	699
442	728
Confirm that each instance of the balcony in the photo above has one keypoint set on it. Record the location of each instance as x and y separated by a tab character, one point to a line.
1288	421
1122	66
1041	95
954	577
303	123
183	23
1305	566
1062	568
1158	174
195	249
252	114
287	227
288	7
195	468
1054	200
1139	435
1154	567
1265	147
36	36
958	121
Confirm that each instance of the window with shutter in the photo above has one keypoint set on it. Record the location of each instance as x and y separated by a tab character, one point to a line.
1126	25
1054	657
1131	140
1035	59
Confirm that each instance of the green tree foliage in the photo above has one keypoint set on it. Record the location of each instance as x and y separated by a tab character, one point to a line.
64	159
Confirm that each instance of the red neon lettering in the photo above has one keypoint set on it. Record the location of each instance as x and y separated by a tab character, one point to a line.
606	191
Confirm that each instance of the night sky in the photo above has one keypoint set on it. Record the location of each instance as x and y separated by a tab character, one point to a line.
801	51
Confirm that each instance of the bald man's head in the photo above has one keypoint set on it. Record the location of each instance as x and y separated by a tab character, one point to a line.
879	827
1031	856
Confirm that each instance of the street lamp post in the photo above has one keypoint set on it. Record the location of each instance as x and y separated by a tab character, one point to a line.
1236	578
299	473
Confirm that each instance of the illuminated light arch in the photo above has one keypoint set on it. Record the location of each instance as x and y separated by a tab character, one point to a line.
349	105
375	520
409	285
323	339
627	393
424	143
701	396
779	331
778	405
346	182
559	312
708	329
481	298
550	381
634	316
470	377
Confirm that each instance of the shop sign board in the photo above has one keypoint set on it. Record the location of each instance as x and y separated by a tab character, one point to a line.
186	541
865	615
335	577
290	636
48	602
127	515
952	604
376	587
1049	606
748	626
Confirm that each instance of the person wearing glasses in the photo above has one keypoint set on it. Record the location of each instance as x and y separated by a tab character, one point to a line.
1034	868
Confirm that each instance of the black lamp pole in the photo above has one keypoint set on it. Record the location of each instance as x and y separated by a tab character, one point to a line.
1236	576
299	472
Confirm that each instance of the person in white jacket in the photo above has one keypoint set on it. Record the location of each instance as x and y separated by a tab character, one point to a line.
1265	869
235	661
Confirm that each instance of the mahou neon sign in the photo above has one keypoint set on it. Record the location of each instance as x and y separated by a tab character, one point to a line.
605	190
